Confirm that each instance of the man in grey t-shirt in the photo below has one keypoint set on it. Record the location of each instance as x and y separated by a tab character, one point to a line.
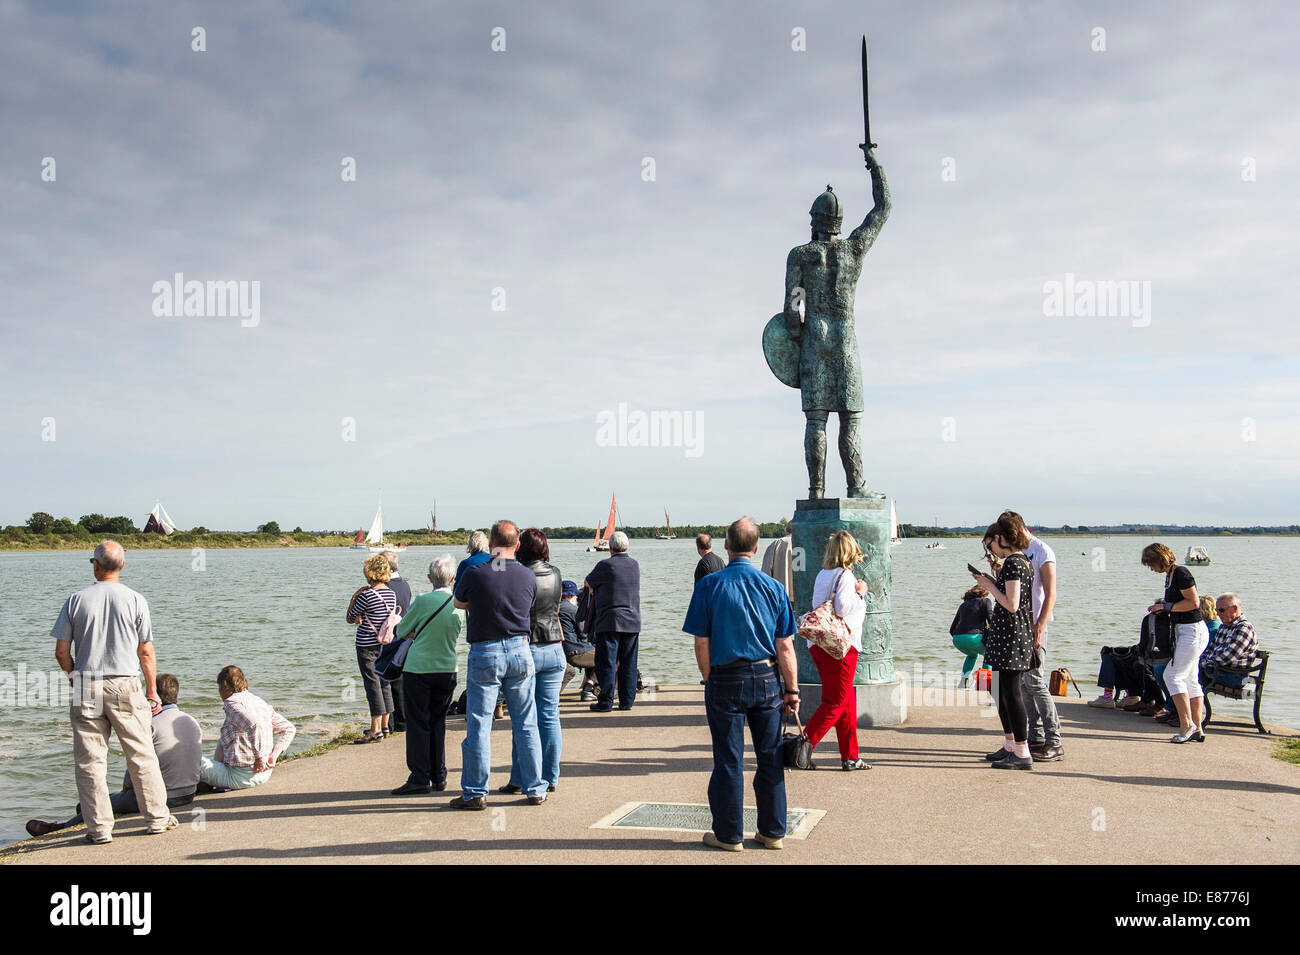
108	625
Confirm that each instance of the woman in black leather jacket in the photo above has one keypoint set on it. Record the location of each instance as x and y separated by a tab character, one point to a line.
546	641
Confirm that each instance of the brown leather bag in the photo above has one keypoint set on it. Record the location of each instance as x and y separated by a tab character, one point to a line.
1059	684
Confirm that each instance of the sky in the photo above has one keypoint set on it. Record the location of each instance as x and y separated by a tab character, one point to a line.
562	209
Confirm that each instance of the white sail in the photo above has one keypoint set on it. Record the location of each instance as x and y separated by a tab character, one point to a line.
893	521
159	513
376	535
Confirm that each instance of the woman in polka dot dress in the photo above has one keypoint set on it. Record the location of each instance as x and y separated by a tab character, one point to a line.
1009	645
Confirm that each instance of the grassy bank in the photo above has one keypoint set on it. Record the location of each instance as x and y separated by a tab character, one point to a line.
1288	750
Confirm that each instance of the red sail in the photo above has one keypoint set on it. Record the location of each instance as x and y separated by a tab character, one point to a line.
609	524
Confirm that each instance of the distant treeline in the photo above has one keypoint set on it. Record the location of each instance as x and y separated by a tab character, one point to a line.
43	531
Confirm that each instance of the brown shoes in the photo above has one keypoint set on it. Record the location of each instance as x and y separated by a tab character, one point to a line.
1047	754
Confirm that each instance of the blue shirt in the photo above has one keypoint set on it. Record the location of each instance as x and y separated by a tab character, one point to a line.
742	612
473	560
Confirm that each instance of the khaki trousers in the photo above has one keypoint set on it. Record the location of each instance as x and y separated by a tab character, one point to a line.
115	704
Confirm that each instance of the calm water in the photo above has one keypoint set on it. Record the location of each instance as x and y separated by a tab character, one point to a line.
278	614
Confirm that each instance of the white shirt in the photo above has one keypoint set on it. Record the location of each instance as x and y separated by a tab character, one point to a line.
1039	554
848	604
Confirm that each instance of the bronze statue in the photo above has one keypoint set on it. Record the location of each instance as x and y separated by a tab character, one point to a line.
816	351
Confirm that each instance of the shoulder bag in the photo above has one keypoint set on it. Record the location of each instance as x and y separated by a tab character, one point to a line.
825	628
1061	679
795	748
393	657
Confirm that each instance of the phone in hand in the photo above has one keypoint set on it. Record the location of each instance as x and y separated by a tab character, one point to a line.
974	570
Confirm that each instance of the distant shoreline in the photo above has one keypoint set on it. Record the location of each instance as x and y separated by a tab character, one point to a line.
234	540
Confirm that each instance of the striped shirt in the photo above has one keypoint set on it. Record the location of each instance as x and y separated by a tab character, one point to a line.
373	607
252	729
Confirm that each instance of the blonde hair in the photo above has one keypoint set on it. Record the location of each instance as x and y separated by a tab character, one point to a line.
1207	607
377	570
842	550
1158	557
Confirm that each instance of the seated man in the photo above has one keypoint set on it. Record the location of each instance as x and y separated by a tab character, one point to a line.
1233	646
178	743
579	653
252	738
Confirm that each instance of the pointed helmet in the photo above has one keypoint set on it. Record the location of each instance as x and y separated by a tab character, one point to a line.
827	213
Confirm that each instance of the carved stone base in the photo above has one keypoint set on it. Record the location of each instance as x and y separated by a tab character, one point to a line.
867	519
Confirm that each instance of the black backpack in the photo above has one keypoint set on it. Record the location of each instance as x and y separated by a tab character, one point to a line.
1156	638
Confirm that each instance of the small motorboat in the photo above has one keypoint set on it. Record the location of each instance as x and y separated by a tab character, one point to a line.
1197	555
935	546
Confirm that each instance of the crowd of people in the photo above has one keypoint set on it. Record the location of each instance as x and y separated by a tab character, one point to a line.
104	643
530	632
1187	641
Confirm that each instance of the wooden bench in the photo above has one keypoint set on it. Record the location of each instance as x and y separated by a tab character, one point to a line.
1252	685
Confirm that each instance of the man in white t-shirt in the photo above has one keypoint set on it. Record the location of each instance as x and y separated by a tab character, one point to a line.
1044	723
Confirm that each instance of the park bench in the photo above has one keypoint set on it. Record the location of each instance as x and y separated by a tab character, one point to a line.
1252	686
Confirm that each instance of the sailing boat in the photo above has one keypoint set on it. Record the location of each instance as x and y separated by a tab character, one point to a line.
668	536
359	542
601	543
375	539
159	522
433	516
893	523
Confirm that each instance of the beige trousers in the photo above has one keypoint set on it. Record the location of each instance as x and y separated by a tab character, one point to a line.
115	704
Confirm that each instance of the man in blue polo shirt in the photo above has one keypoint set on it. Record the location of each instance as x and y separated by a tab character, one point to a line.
498	596
743	623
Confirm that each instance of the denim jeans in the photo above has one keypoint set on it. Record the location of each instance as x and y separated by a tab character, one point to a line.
549	665
494	666
749	693
1044	723
616	655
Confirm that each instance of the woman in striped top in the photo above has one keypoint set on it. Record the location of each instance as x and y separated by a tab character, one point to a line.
368	609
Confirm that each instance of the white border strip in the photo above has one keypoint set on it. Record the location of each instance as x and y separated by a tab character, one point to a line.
810	819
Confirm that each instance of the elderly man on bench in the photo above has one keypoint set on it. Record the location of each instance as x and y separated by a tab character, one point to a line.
1234	645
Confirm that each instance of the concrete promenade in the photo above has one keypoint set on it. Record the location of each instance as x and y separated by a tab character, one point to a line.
1122	794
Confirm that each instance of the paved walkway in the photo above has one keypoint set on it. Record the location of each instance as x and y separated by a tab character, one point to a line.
1122	794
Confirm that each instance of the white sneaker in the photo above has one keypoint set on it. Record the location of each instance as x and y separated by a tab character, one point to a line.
171	823
1103	701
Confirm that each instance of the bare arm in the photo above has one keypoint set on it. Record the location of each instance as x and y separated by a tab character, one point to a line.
865	235
702	656
793	298
149	667
787	664
1009	599
63	653
1048	572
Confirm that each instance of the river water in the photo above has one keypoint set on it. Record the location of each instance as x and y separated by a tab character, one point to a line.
278	614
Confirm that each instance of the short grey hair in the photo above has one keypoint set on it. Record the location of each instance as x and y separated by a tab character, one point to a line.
109	556
442	571
478	543
618	543
391	557
1232	599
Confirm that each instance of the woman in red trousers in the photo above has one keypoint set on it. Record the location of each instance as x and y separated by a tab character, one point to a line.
839	705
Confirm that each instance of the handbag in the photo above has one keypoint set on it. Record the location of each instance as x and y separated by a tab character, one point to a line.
795	748
825	628
393	657
1060	682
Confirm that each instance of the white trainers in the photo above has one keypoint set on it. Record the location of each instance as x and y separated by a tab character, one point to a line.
1103	701
171	823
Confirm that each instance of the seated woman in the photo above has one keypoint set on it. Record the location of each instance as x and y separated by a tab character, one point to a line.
968	628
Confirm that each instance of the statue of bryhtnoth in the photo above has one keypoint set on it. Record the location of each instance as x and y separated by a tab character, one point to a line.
817	351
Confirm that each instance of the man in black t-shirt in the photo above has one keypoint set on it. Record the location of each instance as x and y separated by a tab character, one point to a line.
499	595
709	561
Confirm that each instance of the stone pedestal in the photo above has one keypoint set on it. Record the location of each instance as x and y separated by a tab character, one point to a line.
880	701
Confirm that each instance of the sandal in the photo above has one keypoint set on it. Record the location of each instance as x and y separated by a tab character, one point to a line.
368	737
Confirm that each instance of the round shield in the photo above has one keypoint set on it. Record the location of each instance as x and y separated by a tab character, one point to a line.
781	351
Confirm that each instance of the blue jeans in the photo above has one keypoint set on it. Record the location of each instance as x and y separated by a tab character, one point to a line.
549	666
749	693
616	666
500	665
